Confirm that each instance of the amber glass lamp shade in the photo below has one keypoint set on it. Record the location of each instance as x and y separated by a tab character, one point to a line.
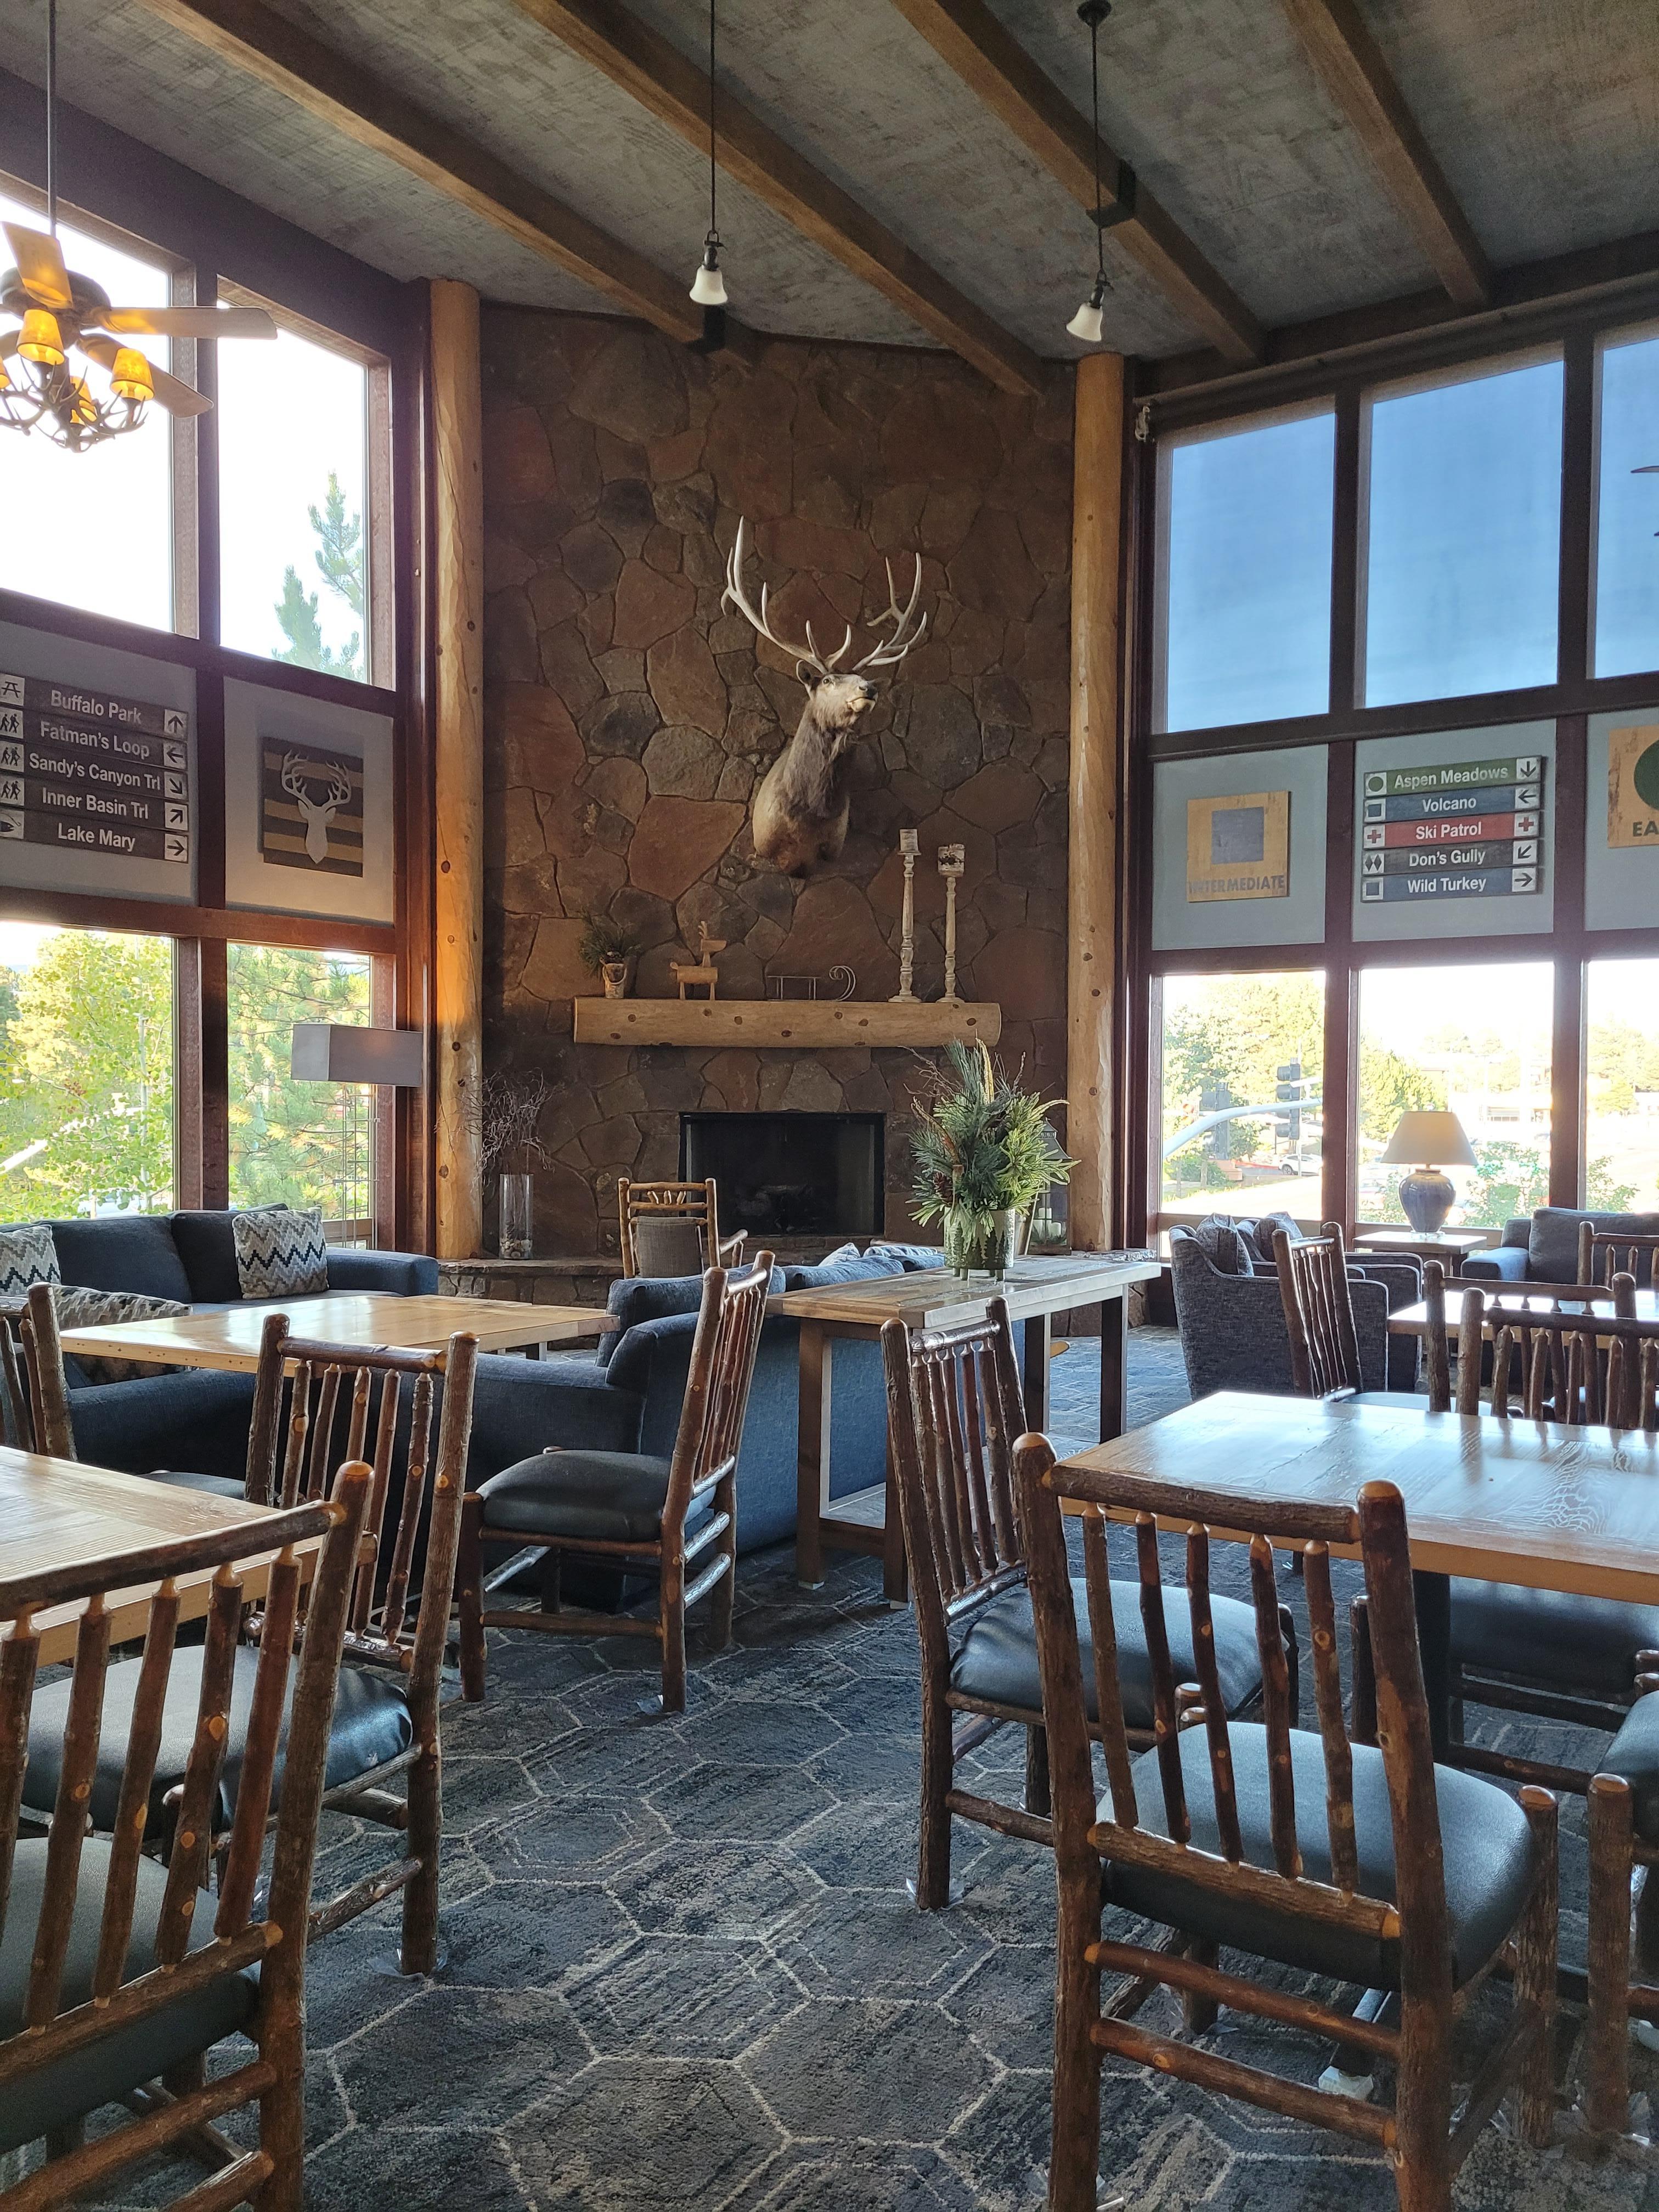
40	339
130	377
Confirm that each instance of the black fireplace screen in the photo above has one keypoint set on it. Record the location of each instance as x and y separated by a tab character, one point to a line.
790	1174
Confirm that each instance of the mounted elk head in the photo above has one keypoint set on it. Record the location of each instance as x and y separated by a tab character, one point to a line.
799	816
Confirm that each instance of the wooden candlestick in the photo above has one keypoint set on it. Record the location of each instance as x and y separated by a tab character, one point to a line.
910	846
952	859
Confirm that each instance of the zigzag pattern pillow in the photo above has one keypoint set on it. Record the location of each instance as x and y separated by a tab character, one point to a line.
280	1253
28	1253
79	1308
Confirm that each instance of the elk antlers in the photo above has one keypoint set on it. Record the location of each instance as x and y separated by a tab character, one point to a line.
906	632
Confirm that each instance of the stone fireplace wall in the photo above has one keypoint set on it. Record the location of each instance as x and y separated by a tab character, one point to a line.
629	719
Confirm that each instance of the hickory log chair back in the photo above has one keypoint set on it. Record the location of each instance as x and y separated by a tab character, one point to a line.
1563	1361
630	1510
1313	1284
673	1228
953	1411
118	1975
32	1366
1311	1850
1603	1253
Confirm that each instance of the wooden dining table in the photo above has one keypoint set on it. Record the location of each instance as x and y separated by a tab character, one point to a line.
57	1513
1511	1501
1510	1302
1036	1290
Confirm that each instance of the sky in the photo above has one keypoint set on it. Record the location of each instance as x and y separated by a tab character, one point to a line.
289	412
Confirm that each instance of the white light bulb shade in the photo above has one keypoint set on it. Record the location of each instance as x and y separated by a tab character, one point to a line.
708	288
336	1052
1086	323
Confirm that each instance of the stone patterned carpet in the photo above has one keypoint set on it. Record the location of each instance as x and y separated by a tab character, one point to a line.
683	1973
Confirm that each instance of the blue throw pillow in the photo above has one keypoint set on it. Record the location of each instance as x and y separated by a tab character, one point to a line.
635	1298
915	1259
848	1265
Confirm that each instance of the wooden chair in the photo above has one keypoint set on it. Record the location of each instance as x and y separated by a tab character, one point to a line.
1315	1852
1602	1255
122	1973
953	1410
32	1368
385	1717
629	1510
673	1229
1315	1289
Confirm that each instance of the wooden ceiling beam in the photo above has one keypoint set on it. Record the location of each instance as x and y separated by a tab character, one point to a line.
675	90
1351	63
252	37
994	65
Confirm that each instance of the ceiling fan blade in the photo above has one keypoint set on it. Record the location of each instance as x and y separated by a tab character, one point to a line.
1649	469
176	397
189	322
40	265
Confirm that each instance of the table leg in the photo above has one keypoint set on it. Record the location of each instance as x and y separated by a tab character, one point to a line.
812	1453
1433	1594
1034	1379
1114	1367
535	1352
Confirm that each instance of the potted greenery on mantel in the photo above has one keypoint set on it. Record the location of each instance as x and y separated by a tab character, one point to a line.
984	1151
608	949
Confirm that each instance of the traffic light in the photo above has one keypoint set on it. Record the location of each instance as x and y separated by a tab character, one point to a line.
1290	1094
1212	1098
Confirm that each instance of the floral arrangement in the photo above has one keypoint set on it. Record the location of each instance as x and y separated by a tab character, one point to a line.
603	941
983	1146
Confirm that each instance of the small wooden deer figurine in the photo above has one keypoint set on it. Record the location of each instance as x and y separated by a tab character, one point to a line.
702	969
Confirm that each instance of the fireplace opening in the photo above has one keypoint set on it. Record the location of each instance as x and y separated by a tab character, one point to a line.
791	1175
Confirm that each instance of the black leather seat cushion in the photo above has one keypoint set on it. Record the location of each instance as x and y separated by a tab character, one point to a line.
998	1662
602	1497
1634	1753
1487	1844
70	2086
1584	1643
372	1725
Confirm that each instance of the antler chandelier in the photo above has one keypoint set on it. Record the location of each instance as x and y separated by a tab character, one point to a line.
64	319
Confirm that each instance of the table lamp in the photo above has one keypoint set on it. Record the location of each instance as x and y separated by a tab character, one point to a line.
1425	1143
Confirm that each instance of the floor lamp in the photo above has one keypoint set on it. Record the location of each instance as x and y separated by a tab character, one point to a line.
337	1051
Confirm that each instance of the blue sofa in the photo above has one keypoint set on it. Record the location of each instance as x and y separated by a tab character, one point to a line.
1545	1249
627	1397
192	1417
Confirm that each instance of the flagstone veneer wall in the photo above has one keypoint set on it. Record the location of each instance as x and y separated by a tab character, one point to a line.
629	718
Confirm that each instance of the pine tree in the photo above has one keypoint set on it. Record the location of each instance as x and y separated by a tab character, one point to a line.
339	559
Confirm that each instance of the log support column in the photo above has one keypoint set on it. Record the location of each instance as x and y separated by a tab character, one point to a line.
457	811
1092	887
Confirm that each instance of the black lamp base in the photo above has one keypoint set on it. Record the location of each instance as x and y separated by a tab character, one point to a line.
1427	1196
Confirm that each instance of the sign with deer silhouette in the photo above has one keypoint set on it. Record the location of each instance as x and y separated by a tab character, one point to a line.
311	808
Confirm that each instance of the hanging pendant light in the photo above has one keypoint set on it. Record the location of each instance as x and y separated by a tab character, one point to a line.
709	286
1086	324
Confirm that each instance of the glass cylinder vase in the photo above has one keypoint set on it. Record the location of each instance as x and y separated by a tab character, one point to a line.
514	1232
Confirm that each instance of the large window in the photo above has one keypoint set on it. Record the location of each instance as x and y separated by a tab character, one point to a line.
1621	1084
1627	507
1475	1040
294	504
86	1073
1247	597
1241	1064
297	1142
1464	505
93	530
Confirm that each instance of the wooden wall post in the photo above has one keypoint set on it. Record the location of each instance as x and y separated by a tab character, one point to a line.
1092	886
458	810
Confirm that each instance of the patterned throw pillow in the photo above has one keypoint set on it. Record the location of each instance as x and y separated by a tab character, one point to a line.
80	1309
280	1253
28	1253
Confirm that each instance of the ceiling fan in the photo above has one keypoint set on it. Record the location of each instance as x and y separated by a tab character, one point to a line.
61	313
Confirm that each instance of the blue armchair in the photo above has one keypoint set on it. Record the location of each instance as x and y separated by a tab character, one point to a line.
1545	1249
1231	1316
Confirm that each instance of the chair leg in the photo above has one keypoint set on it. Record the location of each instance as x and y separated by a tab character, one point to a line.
1074	2139
1606	2041
282	2106
1199	2014
932	1883
673	1638
469	1595
419	1953
1037	1799
1534	1975
1422	2149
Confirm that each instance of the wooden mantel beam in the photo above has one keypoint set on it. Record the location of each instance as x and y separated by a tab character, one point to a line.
1350	61
253	38
994	65
676	91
